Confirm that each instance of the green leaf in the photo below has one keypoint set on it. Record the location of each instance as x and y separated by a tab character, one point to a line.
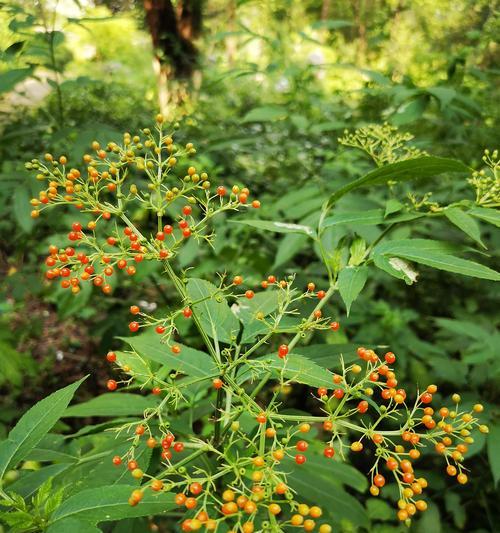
297	368
396	267
278	227
22	209
492	216
493	442
28	484
113	404
110	503
73	525
392	206
265	114
417	168
351	282
379	509
265	302
464	222
370	217
190	361
10	78
33	425
213	312
433	253
313	487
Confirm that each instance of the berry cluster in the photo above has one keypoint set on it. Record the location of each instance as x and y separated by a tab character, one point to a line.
239	471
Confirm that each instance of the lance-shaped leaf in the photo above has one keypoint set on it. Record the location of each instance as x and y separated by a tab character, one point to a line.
34	425
351	282
464	222
417	168
278	227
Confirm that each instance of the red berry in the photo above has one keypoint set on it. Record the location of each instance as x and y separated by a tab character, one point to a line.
335	326
187	210
156	391
300	459
195	488
76	226
221	191
390	358
168	229
363	406
160	330
249	294
178	446
217	383
183	224
160	236
320	294
329	452
176	349
302	446
379	480
134	309
117	460
133	326
111	357
283	351
111	384
187	312
338	393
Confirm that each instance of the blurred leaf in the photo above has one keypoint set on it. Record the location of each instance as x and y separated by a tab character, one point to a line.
455	508
429	521
493	443
351	281
331	24
379	509
443	94
28	484
464	222
265	114
417	168
10	78
33	425
410	111
492	216
329	355
22	209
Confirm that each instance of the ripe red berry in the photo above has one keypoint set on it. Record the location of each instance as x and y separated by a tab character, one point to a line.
329	452
283	351
111	384
335	326
133	326
217	383
187	312
249	294
338	393
186	233
390	358
320	294
111	357
117	460
178	447
134	309
195	488
76	226
160	330
379	480
156	391
302	446
160	236
176	349
363	406
187	210
300	459
183	224
261	418
221	191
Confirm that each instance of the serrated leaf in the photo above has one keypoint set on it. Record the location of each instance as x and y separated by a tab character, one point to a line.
33	425
190	361
297	368
213	312
278	227
351	282
103	504
113	404
417	168
433	253
492	216
464	222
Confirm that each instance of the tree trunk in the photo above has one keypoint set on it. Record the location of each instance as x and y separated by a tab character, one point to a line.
172	33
